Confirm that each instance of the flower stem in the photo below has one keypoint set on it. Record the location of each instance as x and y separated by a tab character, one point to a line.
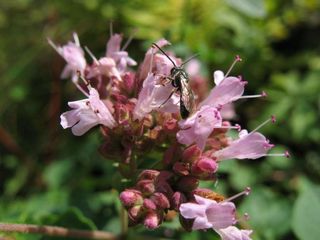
55	231
124	221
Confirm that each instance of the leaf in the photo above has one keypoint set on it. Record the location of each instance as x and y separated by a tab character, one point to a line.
269	213
58	172
252	8
306	212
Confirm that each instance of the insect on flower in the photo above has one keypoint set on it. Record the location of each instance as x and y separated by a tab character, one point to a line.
180	81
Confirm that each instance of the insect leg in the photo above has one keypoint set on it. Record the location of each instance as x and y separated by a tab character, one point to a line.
172	92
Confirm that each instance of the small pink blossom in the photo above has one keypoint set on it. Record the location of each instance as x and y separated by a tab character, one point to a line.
120	56
208	213
233	233
226	91
86	114
104	66
152	58
198	127
153	96
249	145
74	56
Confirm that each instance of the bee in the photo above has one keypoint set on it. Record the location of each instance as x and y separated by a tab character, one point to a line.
180	81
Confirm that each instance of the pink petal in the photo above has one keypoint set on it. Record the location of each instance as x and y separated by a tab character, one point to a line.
221	215
101	109
198	127
192	210
201	223
113	44
229	90
252	146
233	233
87	121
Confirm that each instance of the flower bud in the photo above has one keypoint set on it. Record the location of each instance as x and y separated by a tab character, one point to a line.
170	125
172	154
128	82
148	174
152	220
135	213
149	204
160	200
131	197
181	168
146	187
177	199
204	168
191	154
187	183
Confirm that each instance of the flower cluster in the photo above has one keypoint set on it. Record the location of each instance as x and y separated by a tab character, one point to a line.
138	114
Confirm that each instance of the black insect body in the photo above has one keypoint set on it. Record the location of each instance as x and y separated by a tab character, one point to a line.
180	81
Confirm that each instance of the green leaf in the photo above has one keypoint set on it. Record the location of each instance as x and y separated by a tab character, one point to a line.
252	8
306	212
269	213
58	172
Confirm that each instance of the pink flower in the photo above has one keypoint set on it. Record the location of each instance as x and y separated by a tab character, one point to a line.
120	56
227	90
233	233
86	114
152	96
160	63
105	66
198	127
249	145
74	56
208	213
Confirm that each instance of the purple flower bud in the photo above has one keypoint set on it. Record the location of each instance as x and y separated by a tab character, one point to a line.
135	213
152	220
187	183
131	197
146	187
149	204
177	199
191	154
205	167
160	200
148	174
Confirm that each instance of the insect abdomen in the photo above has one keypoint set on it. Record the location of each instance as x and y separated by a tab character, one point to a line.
183	110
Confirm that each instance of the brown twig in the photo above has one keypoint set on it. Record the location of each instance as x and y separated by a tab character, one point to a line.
55	231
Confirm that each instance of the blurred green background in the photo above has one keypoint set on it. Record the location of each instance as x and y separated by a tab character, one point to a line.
49	176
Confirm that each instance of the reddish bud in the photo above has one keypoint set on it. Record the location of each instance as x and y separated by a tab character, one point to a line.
135	213
191	154
146	187
149	204
205	167
148	174
172	154
187	183
152	220
170	125
131	197
177	199
160	200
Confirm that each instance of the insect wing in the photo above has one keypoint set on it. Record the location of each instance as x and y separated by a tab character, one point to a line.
186	95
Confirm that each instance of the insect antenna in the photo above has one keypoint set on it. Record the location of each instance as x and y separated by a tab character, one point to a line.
164	54
189	59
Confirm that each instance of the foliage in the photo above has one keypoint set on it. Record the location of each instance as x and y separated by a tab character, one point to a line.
49	176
